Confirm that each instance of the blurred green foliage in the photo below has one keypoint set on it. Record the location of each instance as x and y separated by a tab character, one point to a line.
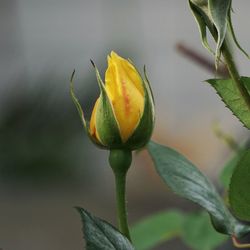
41	137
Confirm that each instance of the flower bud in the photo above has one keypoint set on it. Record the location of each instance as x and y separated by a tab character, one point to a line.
123	114
215	16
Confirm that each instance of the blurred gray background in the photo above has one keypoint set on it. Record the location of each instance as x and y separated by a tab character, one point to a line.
47	165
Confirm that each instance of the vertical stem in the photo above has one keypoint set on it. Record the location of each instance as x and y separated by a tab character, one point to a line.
120	161
120	181
234	72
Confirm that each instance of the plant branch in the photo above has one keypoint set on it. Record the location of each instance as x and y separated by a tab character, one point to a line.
201	60
120	161
120	181
233	71
238	244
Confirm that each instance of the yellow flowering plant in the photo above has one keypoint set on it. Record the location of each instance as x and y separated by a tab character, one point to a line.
122	121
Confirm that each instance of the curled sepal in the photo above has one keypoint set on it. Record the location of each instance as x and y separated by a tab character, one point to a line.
214	15
80	111
231	31
200	20
143	131
106	123
76	102
219	11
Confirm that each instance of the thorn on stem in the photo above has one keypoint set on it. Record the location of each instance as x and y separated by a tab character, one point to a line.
93	64
72	75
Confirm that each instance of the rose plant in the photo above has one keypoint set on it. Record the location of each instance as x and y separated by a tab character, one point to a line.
122	121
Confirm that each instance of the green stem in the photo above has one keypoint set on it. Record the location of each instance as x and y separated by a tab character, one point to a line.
120	161
237	244
120	181
233	71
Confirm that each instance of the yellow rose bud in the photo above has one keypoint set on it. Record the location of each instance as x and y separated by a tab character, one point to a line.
123	115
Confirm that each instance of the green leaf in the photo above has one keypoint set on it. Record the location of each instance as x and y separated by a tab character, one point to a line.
219	10
187	181
199	234
100	235
156	229
239	195
246	81
195	230
227	171
231	96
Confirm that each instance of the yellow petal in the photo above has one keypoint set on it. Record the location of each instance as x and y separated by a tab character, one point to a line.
125	90
92	127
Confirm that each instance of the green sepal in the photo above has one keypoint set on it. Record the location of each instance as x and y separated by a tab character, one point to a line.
216	16
106	123
76	102
231	31
144	129
148	84
219	11
80	111
120	160
202	25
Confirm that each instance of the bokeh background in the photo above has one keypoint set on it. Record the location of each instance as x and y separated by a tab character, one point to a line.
47	164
